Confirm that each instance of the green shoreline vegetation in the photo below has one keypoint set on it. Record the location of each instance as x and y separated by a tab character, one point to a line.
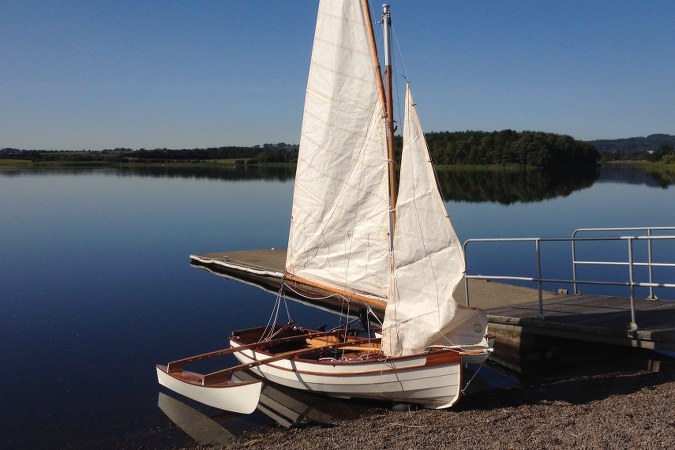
466	150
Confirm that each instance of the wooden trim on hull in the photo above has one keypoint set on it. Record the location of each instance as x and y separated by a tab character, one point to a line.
437	358
432	380
176	366
442	390
215	377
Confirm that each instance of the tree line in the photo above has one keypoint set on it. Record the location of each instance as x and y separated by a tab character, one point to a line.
665	153
506	147
633	145
268	153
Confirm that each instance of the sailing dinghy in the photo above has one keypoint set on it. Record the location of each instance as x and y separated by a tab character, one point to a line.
355	235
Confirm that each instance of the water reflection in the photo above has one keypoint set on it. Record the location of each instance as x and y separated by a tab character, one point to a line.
278	405
506	186
286	407
231	173
200	427
291	407
511	186
215	172
634	175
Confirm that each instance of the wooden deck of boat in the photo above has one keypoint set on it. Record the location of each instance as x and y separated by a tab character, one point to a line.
512	311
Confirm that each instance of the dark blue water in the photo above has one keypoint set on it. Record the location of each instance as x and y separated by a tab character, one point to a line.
96	285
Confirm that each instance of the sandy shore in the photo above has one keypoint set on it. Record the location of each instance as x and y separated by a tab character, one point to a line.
613	403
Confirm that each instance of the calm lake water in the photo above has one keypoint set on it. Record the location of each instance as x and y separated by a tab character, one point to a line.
96	285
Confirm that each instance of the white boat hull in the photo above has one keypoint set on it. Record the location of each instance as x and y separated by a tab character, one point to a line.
231	396
414	379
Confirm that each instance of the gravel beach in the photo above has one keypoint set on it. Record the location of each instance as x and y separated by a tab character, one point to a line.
607	403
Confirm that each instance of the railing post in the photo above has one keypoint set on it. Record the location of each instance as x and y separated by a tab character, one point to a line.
633	325
574	263
541	300
466	272
649	264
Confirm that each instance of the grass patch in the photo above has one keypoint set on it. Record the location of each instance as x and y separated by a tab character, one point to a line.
15	163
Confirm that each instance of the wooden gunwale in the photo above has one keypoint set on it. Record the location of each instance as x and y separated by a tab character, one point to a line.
177	365
196	378
434	358
213	377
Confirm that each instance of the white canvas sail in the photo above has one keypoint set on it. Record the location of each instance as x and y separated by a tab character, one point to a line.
428	259
339	234
340	240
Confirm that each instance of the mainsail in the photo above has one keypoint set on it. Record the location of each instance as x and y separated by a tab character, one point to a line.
339	235
428	259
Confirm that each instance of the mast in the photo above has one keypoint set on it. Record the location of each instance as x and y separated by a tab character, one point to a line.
387	99
389	104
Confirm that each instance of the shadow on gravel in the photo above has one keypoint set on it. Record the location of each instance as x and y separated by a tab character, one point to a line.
586	379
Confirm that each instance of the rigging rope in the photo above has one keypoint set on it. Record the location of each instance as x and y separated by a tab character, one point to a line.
466	386
269	332
300	294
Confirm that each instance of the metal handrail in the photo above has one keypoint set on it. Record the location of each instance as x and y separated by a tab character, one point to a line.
650	264
631	283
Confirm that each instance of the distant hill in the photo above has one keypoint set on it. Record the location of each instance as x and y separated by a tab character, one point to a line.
633	144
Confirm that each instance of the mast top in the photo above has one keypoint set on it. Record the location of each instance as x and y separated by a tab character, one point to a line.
386	22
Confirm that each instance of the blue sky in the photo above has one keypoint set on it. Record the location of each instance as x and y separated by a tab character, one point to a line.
181	74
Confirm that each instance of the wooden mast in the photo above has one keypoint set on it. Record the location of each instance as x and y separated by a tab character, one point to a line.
386	100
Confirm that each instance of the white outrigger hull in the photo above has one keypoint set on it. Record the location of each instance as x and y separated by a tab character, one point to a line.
240	397
415	379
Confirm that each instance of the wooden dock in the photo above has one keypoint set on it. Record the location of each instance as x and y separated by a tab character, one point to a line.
513	311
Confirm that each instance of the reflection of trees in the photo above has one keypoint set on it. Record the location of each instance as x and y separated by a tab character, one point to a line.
663	177
511	186
470	185
649	175
228	173
231	173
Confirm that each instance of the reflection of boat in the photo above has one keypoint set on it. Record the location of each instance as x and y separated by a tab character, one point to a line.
198	426
355	235
285	406
289	407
